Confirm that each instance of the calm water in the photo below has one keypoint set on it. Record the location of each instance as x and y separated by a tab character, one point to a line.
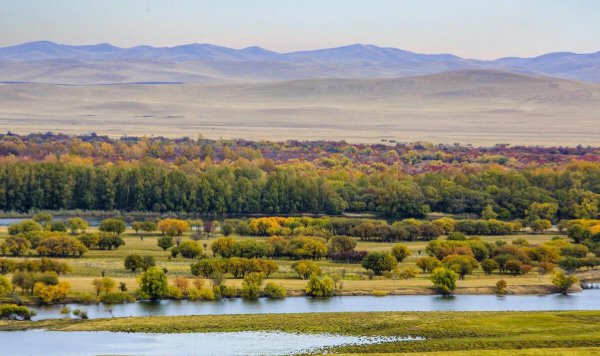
50	343
589	299
10	221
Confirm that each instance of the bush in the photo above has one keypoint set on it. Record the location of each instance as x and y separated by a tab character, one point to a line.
61	246
501	287
444	280
190	249
563	282
400	252
165	242
305	269
5	286
320	286
428	263
51	293
251	285
408	273
206	268
24	227
274	291
15	312
153	283
116	226
489	266
378	262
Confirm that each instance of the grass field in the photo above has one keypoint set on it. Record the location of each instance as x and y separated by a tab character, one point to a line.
503	332
355	280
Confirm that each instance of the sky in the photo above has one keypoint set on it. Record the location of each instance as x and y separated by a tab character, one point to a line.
483	29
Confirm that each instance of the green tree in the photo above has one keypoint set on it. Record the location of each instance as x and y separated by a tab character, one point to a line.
274	291
320	286
563	281
540	225
5	286
113	225
165	242
153	283
444	280
77	225
190	249
400	252
133	262
306	268
378	262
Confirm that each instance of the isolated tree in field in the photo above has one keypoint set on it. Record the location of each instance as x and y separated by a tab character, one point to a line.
51	293
563	281
400	252
153	283
113	225
133	262
444	280
165	242
147	262
227	228
77	225
378	262
148	227
190	249
137	227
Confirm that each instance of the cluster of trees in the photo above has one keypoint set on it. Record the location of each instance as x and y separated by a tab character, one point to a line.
236	266
463	256
33	265
570	191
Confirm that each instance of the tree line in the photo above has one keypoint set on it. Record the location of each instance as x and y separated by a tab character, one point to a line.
568	192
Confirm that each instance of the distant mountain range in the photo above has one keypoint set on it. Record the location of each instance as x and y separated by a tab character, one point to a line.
48	62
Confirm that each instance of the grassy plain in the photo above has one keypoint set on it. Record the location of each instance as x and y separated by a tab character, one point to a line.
529	333
355	280
478	107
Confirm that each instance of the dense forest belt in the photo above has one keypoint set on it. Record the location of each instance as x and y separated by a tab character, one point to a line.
200	176
573	191
444	331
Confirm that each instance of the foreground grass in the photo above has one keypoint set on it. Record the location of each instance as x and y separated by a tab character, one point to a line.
575	351
444	331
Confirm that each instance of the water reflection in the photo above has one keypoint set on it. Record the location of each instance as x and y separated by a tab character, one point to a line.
589	299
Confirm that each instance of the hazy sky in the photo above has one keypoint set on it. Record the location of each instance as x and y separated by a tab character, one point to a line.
469	28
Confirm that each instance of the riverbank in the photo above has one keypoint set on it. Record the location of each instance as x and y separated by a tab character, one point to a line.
443	331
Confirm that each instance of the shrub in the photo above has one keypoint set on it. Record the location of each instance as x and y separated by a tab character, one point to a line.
444	280
5	285
116	226
24	227
428	263
153	283
61	246
251	285
379	262
190	249
320	286
206	268
173	227
460	264
165	242
15	312
305	269
222	246
501	287
400	252
133	262
274	291
408	273
489	266
563	282
51	293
